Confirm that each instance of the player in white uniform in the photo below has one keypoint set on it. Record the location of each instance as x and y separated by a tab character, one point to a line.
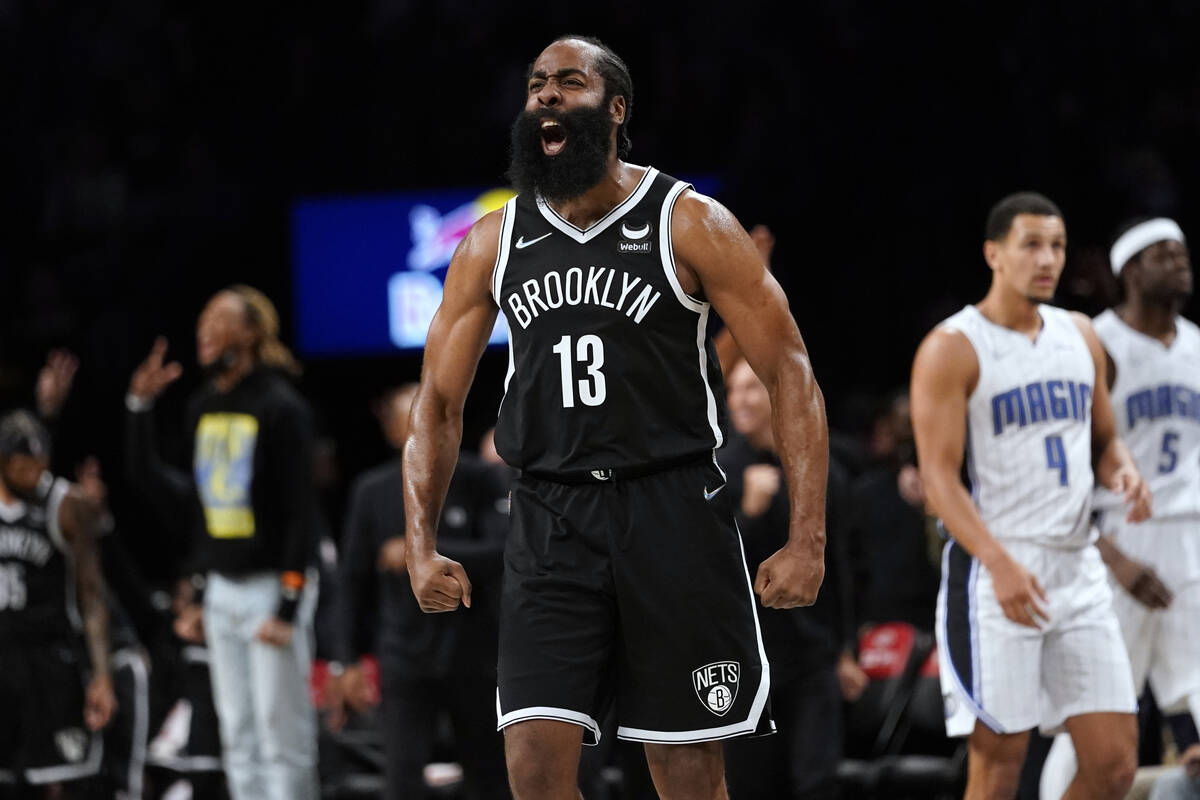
1154	375
1026	632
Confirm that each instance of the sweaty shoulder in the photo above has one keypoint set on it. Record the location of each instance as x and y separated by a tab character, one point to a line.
699	220
710	247
1084	323
479	249
948	358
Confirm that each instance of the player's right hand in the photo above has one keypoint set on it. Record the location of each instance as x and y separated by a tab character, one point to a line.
152	376
99	703
439	583
189	623
350	690
1141	581
1021	597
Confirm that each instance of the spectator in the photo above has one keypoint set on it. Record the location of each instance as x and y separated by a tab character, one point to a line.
251	502
812	668
896	578
428	662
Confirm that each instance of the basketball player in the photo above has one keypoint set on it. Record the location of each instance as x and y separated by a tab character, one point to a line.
1025	627
621	580
51	592
1154	375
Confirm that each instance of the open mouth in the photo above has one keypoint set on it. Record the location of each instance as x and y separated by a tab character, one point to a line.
554	137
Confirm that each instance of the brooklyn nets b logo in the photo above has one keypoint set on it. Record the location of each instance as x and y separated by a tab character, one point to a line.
716	685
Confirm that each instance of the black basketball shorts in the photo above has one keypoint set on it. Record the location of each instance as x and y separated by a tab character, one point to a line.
634	592
43	739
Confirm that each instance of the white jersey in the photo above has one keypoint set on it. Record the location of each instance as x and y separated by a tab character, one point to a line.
1029	428
1156	400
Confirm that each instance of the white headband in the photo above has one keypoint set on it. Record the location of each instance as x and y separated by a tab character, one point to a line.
1141	236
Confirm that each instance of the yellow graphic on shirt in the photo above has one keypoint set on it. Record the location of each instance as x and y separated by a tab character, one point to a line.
224	468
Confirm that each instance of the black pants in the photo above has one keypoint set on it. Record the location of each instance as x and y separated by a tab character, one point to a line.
410	710
800	761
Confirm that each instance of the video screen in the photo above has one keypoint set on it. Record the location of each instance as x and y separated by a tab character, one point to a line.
368	270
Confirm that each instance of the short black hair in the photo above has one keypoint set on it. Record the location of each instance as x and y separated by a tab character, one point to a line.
617	81
1000	218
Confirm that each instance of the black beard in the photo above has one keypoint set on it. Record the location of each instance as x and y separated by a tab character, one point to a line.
578	167
1164	295
220	365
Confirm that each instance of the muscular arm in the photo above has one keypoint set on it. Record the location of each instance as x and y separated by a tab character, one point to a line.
78	520
945	373
1111	461
457	337
715	255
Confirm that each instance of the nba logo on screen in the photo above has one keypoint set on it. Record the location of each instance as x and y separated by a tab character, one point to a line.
716	685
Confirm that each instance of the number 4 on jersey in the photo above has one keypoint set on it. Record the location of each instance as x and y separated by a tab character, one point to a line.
1056	458
589	351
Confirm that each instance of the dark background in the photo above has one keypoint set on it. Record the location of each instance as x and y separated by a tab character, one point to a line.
151	154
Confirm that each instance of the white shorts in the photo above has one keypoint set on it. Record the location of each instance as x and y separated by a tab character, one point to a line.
1014	678
1164	645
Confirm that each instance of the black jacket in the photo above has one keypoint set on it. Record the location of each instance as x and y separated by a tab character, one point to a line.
378	610
799	639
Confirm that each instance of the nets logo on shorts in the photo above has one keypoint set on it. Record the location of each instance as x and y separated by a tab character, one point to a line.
716	685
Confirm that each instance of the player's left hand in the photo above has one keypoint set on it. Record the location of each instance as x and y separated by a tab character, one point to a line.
275	631
99	703
1191	761
790	578
1128	483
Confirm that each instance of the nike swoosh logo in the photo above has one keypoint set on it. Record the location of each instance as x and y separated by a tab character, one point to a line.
522	244
710	495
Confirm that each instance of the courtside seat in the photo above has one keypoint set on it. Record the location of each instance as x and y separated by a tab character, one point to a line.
895	734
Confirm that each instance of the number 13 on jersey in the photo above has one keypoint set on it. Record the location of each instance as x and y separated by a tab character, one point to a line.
589	352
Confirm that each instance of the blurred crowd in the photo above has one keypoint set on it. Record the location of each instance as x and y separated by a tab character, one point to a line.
154	152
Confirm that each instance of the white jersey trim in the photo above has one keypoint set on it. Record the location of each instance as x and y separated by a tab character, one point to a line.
666	249
53	505
710	399
187	764
583	236
748	725
69	772
545	712
512	369
667	259
141	717
508	220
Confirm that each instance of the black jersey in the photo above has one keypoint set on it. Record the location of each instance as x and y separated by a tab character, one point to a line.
610	362
37	587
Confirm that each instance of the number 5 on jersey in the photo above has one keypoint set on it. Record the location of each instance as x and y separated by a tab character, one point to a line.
588	351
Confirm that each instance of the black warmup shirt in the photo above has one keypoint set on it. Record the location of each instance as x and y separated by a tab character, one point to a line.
37	584
797	639
471	531
250	493
610	362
